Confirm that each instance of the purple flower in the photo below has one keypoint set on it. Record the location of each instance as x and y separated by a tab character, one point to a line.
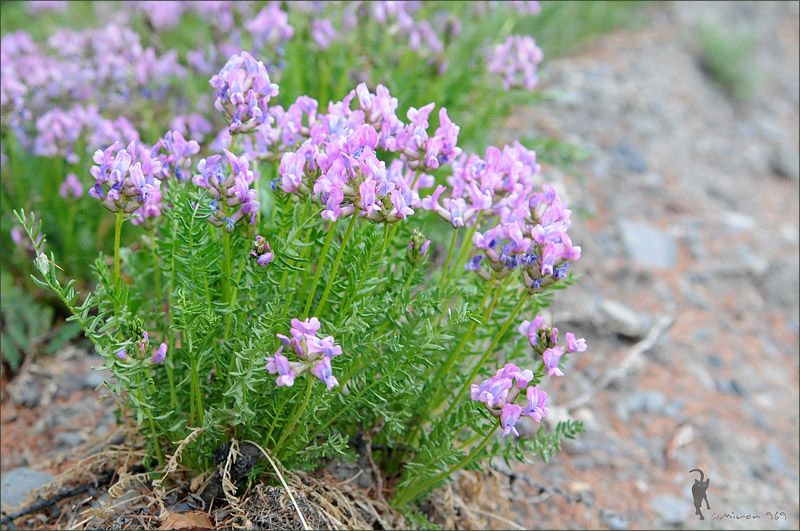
161	354
575	345
521	378
531	329
551	358
323	346
279	364
322	369
509	418
323	32
493	391
121	354
71	187
536	408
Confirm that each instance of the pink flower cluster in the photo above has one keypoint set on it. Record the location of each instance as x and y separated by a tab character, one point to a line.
228	181
125	178
501	390
338	163
516	60
243	91
315	354
143	346
59	131
530	226
544	341
262	251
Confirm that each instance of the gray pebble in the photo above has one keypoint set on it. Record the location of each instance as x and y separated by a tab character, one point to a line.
672	510
648	245
628	157
655	402
613	520
69	438
93	379
16	484
775	459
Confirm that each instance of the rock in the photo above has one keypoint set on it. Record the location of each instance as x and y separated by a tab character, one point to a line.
672	510
731	387
735	221
647	245
93	379
775	459
69	438
674	408
636	402
613	520
628	157
655	402
623	319
16	484
785	164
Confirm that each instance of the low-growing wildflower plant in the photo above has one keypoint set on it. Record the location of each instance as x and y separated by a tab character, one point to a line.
296	301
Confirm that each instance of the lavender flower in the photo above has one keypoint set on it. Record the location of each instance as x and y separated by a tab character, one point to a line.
228	182
509	418
161	354
536	408
551	357
243	91
516	59
71	187
315	354
279	364
125	178
262	251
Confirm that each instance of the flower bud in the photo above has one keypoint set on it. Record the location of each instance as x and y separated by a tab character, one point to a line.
417	249
42	264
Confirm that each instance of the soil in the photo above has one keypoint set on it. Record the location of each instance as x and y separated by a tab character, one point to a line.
687	212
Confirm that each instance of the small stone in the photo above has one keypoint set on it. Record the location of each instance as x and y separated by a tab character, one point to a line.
673	511
576	487
714	361
731	387
613	520
785	164
647	245
636	402
69	438
628	157
622	319
775	459
736	221
674	408
94	379
16	484
655	402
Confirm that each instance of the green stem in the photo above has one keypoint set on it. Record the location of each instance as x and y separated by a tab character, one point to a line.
156	443
410	278
466	246
449	257
278	414
390	237
440	379
226	240
320	266
332	278
69	236
410	493
156	270
117	238
488	352
287	430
